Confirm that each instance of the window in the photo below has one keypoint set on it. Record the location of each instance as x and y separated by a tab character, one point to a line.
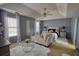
12	26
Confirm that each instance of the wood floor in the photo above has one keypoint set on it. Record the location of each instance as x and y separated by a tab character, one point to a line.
59	50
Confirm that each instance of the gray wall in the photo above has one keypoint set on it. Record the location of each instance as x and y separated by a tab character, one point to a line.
77	41
41	26
74	24
73	29
23	28
59	23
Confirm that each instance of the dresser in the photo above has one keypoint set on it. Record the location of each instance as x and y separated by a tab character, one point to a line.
4	48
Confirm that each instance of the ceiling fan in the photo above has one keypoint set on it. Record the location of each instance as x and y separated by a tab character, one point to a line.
46	12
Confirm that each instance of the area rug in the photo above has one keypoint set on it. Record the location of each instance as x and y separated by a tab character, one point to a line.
38	50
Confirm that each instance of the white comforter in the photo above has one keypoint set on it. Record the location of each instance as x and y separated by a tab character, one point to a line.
55	36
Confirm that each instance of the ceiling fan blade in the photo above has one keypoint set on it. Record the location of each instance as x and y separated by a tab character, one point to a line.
46	12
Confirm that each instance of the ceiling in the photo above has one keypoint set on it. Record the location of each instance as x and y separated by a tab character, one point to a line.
40	6
19	8
58	10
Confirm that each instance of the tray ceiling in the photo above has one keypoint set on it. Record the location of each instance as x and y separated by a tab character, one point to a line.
58	10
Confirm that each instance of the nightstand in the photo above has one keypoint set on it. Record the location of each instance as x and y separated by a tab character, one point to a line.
63	34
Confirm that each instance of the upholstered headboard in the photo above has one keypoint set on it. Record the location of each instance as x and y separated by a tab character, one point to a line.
57	28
